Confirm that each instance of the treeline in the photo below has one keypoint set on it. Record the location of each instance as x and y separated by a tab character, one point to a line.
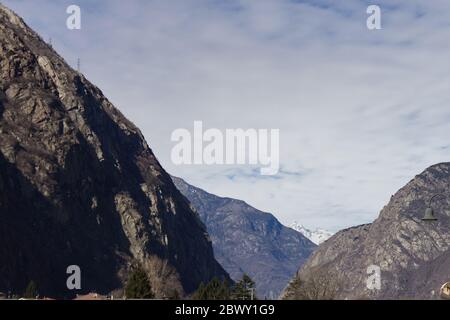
319	285
138	286
223	290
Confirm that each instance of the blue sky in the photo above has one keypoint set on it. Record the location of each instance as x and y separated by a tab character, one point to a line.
360	112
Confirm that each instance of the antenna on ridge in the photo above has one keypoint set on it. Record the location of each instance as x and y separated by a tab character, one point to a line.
79	65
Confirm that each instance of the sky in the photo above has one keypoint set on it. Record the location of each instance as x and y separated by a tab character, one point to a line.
360	111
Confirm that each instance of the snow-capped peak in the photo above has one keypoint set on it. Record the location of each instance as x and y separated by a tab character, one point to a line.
318	236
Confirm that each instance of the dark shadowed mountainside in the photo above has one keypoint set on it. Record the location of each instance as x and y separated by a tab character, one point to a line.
247	240
80	186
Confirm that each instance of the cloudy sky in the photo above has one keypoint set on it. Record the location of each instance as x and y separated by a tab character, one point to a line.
360	112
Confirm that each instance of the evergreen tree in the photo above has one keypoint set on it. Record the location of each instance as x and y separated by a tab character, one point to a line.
31	292
218	290
214	290
138	285
244	289
200	294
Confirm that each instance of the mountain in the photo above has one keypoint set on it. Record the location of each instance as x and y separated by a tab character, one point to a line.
413	255
80	186
318	236
250	241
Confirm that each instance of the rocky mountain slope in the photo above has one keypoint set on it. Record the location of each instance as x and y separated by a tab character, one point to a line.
317	236
414	255
246	240
80	186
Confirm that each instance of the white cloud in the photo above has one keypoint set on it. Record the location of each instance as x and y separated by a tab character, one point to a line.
360	112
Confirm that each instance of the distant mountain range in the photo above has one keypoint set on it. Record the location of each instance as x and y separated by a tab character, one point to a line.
413	255
317	236
247	240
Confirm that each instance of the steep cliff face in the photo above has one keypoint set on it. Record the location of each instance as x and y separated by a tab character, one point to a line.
80	186
250	241
414	255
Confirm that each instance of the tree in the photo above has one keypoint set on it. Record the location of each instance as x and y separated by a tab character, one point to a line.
214	290
138	285
294	290
174	295
31	292
244	289
318	285
200	294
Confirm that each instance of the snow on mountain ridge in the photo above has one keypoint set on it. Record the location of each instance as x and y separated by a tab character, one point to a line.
318	236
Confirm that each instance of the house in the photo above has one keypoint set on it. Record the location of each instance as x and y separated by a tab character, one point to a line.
90	296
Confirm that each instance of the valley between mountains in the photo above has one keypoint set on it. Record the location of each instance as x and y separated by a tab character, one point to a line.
80	185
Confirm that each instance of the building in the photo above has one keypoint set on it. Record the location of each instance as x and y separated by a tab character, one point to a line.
90	296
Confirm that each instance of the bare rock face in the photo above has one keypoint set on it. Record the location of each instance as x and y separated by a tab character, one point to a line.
80	186
414	255
246	240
